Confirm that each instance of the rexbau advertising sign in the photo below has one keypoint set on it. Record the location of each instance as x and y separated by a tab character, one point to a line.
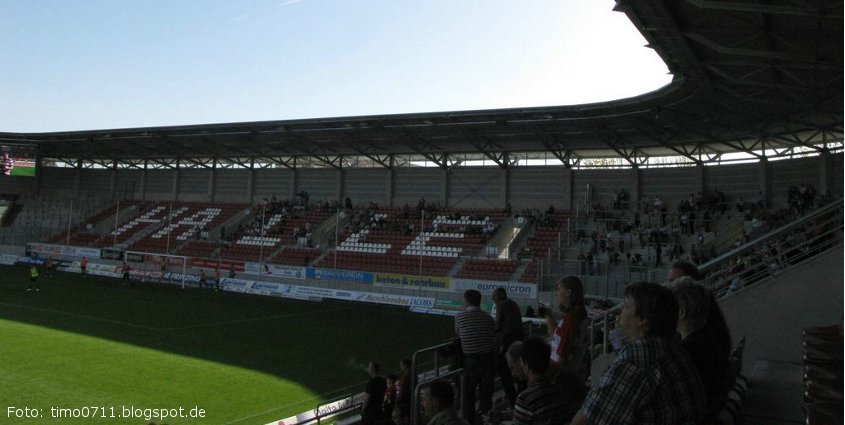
401	281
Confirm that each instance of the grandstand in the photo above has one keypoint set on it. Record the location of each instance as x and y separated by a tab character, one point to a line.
736	165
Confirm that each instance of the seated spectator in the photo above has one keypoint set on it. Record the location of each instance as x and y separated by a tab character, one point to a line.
514	358
704	347
652	379
436	400
540	403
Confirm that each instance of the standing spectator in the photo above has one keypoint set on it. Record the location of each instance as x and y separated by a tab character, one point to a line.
715	323
508	330
403	386
541	402
217	279
652	379
390	395
48	267
436	400
126	270
203	283
475	330
568	348
371	408
83	266
705	348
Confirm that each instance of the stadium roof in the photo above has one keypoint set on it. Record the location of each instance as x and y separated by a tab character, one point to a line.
747	76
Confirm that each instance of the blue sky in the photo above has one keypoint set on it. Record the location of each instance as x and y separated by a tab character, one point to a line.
95	64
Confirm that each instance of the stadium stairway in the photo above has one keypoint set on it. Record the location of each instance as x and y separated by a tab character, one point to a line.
520	269
772	314
507	231
456	267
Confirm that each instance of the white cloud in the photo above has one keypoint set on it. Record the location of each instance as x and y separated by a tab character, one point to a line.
289	2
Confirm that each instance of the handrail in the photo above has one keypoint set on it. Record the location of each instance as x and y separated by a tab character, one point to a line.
414	364
417	388
761	262
776	232
822	236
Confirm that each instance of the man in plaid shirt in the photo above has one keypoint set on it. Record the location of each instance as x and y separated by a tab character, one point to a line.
652	380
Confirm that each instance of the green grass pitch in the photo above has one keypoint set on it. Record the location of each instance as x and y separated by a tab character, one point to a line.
244	359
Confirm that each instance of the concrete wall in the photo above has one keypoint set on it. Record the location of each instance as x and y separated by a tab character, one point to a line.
539	187
194	185
773	313
463	187
363	185
410	184
159	185
129	184
231	185
269	182
476	187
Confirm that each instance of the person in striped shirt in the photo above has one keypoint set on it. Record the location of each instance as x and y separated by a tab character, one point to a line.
475	329
541	403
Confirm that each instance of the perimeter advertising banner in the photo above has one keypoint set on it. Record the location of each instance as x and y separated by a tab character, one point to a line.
429	283
275	270
8	259
224	265
316	293
73	251
339	275
486	287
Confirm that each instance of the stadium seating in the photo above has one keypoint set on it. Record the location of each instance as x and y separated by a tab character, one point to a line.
397	245
296	256
823	374
278	230
201	249
185	220
487	269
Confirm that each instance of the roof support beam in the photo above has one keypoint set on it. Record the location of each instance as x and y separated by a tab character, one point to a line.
763	8
335	162
441	159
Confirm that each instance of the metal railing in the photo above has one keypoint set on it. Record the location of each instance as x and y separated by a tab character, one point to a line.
780	248
435	373
750	263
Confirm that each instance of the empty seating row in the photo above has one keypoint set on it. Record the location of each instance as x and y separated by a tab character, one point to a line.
487	269
258	240
823	382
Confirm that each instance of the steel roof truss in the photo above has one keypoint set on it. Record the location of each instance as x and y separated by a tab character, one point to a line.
336	161
128	163
808	11
441	160
163	163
